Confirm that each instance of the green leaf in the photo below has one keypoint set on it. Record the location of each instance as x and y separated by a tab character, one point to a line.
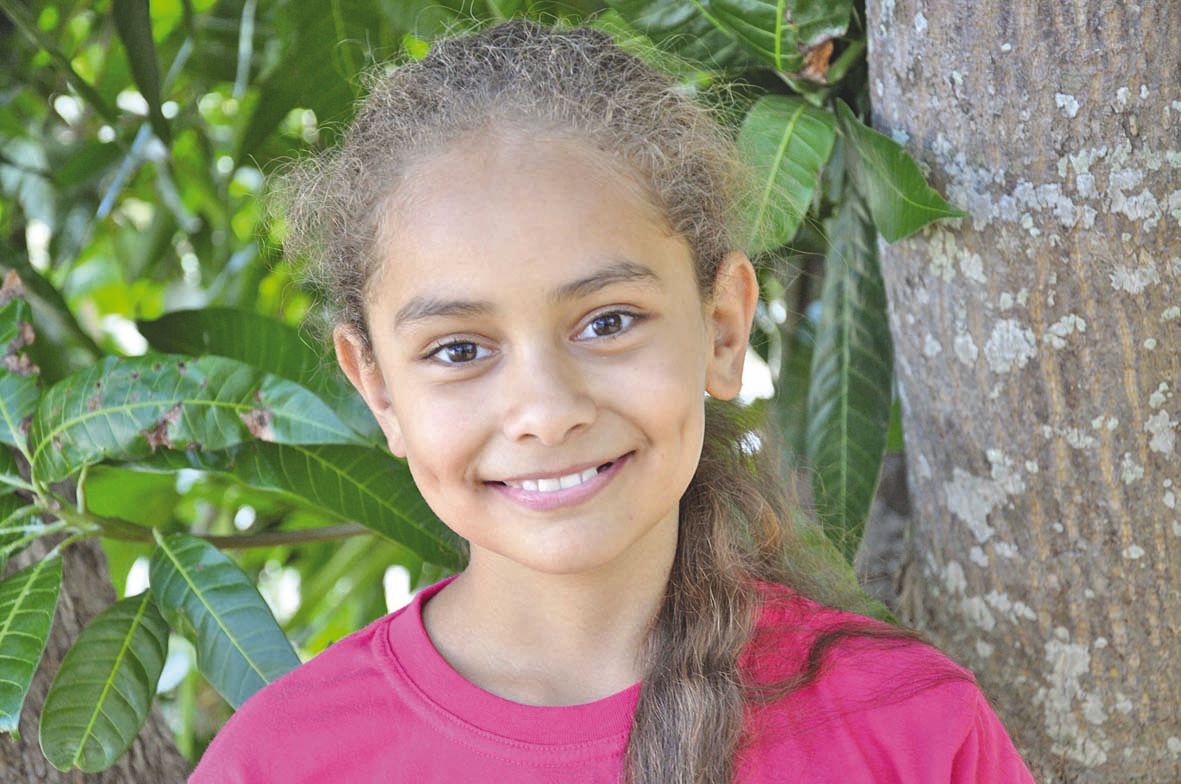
10	473
126	408
790	402
17	11
345	482
684	28
889	180
240	647
18	526
317	70
133	22
101	696
814	21
417	48
820	556
27	602
266	344
787	142
779	30
849	396
19	382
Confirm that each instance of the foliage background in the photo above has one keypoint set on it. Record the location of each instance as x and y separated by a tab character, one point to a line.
134	146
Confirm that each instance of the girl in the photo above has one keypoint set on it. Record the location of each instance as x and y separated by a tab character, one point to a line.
526	242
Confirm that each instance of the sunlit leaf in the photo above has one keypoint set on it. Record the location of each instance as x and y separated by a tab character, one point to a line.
361	484
899	198
27	602
103	691
849	396
779	30
240	647
787	142
125	408
266	344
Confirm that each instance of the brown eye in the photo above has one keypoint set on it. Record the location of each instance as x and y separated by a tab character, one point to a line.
460	352
609	324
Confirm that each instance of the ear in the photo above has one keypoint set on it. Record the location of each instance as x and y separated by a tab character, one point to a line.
363	372
729	316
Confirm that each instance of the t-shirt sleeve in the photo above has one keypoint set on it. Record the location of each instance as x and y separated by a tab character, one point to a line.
987	754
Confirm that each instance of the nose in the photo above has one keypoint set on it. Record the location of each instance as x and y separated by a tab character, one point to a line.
548	398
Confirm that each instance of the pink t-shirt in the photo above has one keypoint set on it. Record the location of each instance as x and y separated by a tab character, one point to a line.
382	705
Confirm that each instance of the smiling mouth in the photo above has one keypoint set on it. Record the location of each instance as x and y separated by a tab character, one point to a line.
553	484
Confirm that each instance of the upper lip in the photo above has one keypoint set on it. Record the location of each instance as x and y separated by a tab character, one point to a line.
574	469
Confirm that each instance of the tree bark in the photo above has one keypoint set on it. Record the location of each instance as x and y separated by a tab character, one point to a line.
86	591
1039	358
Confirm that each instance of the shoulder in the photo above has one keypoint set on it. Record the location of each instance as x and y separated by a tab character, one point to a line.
869	700
799	639
289	716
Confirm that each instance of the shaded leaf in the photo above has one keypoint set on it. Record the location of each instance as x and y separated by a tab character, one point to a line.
264	343
849	395
790	402
889	180
17	517
317	70
820	556
9	472
102	693
27	602
685	29
240	647
126	407
787	142
19	383
345	482
133	22
18	13
88	163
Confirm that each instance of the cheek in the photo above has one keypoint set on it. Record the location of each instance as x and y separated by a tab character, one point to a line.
666	391
441	439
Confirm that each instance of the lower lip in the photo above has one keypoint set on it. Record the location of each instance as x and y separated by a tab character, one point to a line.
571	496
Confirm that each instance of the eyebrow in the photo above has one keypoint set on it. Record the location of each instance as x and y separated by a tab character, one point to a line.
618	271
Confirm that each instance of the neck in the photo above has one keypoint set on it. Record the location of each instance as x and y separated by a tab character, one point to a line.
552	639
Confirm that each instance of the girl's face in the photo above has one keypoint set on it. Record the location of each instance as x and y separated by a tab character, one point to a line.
541	353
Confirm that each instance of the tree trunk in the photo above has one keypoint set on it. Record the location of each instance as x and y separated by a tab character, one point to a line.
1039	359
86	591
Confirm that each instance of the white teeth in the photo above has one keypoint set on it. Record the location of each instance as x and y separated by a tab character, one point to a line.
550	485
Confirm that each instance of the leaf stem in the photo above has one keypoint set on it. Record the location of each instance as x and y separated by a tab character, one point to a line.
15	546
80	489
131	532
847	59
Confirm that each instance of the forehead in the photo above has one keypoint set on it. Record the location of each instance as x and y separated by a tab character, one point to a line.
518	211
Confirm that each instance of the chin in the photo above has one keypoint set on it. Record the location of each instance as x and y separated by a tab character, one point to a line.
567	558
